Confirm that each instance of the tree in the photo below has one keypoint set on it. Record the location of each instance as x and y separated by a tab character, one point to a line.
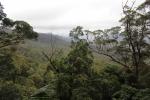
13	77
25	30
2	14
13	32
73	72
10	91
80	58
54	56
78	66
129	44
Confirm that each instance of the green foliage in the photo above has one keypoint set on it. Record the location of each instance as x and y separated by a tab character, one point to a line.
15	68
126	93
7	22
80	58
6	64
127	45
72	84
131	93
13	32
74	76
10	91
24	29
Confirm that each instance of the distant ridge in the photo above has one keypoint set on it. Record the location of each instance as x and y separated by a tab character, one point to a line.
48	37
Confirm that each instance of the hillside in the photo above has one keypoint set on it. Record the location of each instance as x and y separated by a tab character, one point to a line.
45	41
48	38
43	44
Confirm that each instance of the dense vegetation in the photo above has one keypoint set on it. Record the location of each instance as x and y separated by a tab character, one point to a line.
74	73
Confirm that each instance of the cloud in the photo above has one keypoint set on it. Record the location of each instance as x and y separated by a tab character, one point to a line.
53	27
40	16
62	15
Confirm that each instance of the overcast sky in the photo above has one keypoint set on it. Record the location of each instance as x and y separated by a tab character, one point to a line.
60	16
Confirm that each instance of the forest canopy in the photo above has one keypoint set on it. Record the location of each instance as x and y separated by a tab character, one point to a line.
62	72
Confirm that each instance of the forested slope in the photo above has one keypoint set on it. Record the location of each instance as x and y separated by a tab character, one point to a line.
113	65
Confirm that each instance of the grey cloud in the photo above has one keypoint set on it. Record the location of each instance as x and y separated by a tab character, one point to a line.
63	15
54	27
42	14
66	28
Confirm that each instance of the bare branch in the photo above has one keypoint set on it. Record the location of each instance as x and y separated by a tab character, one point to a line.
112	58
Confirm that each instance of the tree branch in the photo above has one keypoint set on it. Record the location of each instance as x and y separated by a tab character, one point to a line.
112	58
